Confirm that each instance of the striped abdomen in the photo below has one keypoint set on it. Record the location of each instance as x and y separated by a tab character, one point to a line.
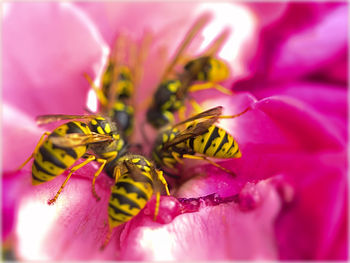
52	160
216	142
130	195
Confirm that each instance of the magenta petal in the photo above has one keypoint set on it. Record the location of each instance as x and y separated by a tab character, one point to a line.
298	54
267	12
327	100
286	48
300	124
222	232
314	221
48	48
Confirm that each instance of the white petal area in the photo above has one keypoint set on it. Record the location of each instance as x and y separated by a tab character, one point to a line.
241	23
73	228
32	224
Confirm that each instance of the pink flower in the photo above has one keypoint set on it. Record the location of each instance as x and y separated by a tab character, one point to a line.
289	199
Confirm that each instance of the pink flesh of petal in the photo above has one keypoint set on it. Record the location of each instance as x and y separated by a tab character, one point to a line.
222	232
73	228
313	220
44	63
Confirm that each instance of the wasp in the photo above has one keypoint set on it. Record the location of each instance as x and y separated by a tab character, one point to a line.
173	90
95	139
136	180
118	82
201	138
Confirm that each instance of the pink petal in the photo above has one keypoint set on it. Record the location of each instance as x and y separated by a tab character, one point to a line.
222	232
73	228
313	217
235	17
44	62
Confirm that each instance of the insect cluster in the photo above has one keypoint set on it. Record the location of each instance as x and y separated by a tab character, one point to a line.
105	136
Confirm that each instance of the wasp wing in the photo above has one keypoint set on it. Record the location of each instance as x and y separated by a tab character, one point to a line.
79	139
45	119
191	131
211	113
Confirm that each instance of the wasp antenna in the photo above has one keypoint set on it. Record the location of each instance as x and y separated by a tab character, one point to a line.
217	43
194	30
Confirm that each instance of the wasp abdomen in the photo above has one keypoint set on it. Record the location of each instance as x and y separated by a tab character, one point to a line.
127	199
215	143
52	160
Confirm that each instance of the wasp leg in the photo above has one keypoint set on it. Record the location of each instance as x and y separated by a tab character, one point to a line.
116	173
100	96
195	157
108	238
42	138
103	163
72	170
156	209
210	85
176	157
236	115
163	181
168	162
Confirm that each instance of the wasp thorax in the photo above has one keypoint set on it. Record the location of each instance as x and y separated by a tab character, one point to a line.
100	125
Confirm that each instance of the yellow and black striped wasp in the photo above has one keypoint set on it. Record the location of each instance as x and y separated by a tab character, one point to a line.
123	72
173	90
136	180
95	139
201	138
